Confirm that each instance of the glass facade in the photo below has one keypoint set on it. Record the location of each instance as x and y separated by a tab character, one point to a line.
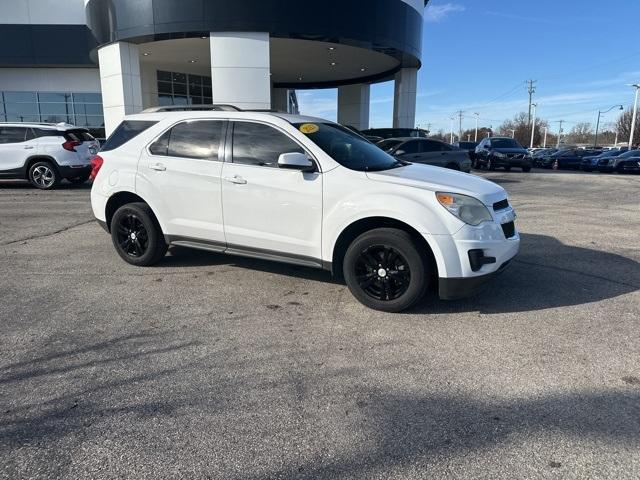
183	89
79	109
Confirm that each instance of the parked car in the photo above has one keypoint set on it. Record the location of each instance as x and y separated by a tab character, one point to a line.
385	133
590	163
427	151
627	162
470	147
45	154
371	138
300	190
502	152
569	158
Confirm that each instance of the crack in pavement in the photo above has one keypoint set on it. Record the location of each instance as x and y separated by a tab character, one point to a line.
45	235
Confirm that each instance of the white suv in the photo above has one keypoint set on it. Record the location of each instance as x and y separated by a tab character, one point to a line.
45	154
304	191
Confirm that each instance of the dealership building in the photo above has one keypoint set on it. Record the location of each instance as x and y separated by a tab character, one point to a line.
91	62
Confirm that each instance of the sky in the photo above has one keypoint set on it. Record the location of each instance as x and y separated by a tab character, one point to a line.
478	55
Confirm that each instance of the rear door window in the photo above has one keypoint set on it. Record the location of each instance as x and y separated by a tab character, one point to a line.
126	131
12	134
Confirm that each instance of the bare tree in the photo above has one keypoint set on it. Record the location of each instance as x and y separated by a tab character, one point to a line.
522	130
623	125
581	133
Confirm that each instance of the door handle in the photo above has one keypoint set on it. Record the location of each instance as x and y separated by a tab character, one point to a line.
29	148
238	180
158	167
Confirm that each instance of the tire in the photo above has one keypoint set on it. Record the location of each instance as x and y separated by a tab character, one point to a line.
490	165
136	235
507	169
79	180
43	175
526	169
453	166
385	270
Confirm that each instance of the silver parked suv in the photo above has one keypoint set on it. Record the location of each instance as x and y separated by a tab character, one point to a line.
45	154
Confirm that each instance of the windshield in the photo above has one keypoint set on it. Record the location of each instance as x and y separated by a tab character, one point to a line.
631	153
348	149
504	143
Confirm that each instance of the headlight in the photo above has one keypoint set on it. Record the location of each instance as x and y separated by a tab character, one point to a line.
467	209
499	155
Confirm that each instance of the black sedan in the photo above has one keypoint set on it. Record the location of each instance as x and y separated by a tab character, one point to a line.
570	158
590	163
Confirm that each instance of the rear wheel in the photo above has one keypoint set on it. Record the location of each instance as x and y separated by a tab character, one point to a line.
43	175
526	169
137	236
507	169
385	270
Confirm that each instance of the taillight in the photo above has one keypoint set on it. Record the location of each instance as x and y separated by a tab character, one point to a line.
71	145
96	165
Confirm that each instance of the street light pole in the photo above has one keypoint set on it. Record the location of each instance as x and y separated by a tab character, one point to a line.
533	127
513	133
600	112
559	133
635	113
477	117
451	136
545	137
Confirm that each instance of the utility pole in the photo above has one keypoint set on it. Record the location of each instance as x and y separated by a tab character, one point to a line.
451	136
460	117
477	117
545	138
533	127
513	133
531	88
559	133
635	113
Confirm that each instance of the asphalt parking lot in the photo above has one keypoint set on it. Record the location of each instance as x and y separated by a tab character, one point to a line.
218	367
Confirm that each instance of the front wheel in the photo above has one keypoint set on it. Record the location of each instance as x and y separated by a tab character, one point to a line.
526	169
386	270
137	236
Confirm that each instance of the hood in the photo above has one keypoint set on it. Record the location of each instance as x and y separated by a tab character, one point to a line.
437	179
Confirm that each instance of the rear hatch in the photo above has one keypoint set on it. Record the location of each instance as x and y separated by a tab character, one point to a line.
83	143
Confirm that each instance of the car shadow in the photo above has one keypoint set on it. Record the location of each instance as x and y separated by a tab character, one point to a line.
25	185
546	274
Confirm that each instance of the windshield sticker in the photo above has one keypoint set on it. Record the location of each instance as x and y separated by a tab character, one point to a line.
309	128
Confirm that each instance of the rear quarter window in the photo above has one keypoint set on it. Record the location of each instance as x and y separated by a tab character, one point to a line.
126	131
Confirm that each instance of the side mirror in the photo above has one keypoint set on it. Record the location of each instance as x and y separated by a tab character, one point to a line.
296	161
399	152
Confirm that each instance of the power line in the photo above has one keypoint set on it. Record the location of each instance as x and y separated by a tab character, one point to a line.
531	89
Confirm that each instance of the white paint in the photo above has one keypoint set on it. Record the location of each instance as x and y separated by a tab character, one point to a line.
353	105
43	12
405	95
121	82
50	80
240	67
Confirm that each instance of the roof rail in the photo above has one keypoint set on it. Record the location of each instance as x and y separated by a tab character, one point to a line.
188	108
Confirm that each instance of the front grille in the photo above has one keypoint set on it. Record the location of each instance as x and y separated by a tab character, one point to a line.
501	205
509	229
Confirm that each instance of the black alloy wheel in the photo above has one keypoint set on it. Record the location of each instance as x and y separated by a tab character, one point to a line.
132	236
382	272
137	236
387	269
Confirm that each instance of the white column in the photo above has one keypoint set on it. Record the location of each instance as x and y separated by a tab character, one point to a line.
353	105
120	81
240	67
404	105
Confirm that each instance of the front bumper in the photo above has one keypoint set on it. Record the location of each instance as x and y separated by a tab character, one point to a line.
459	288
